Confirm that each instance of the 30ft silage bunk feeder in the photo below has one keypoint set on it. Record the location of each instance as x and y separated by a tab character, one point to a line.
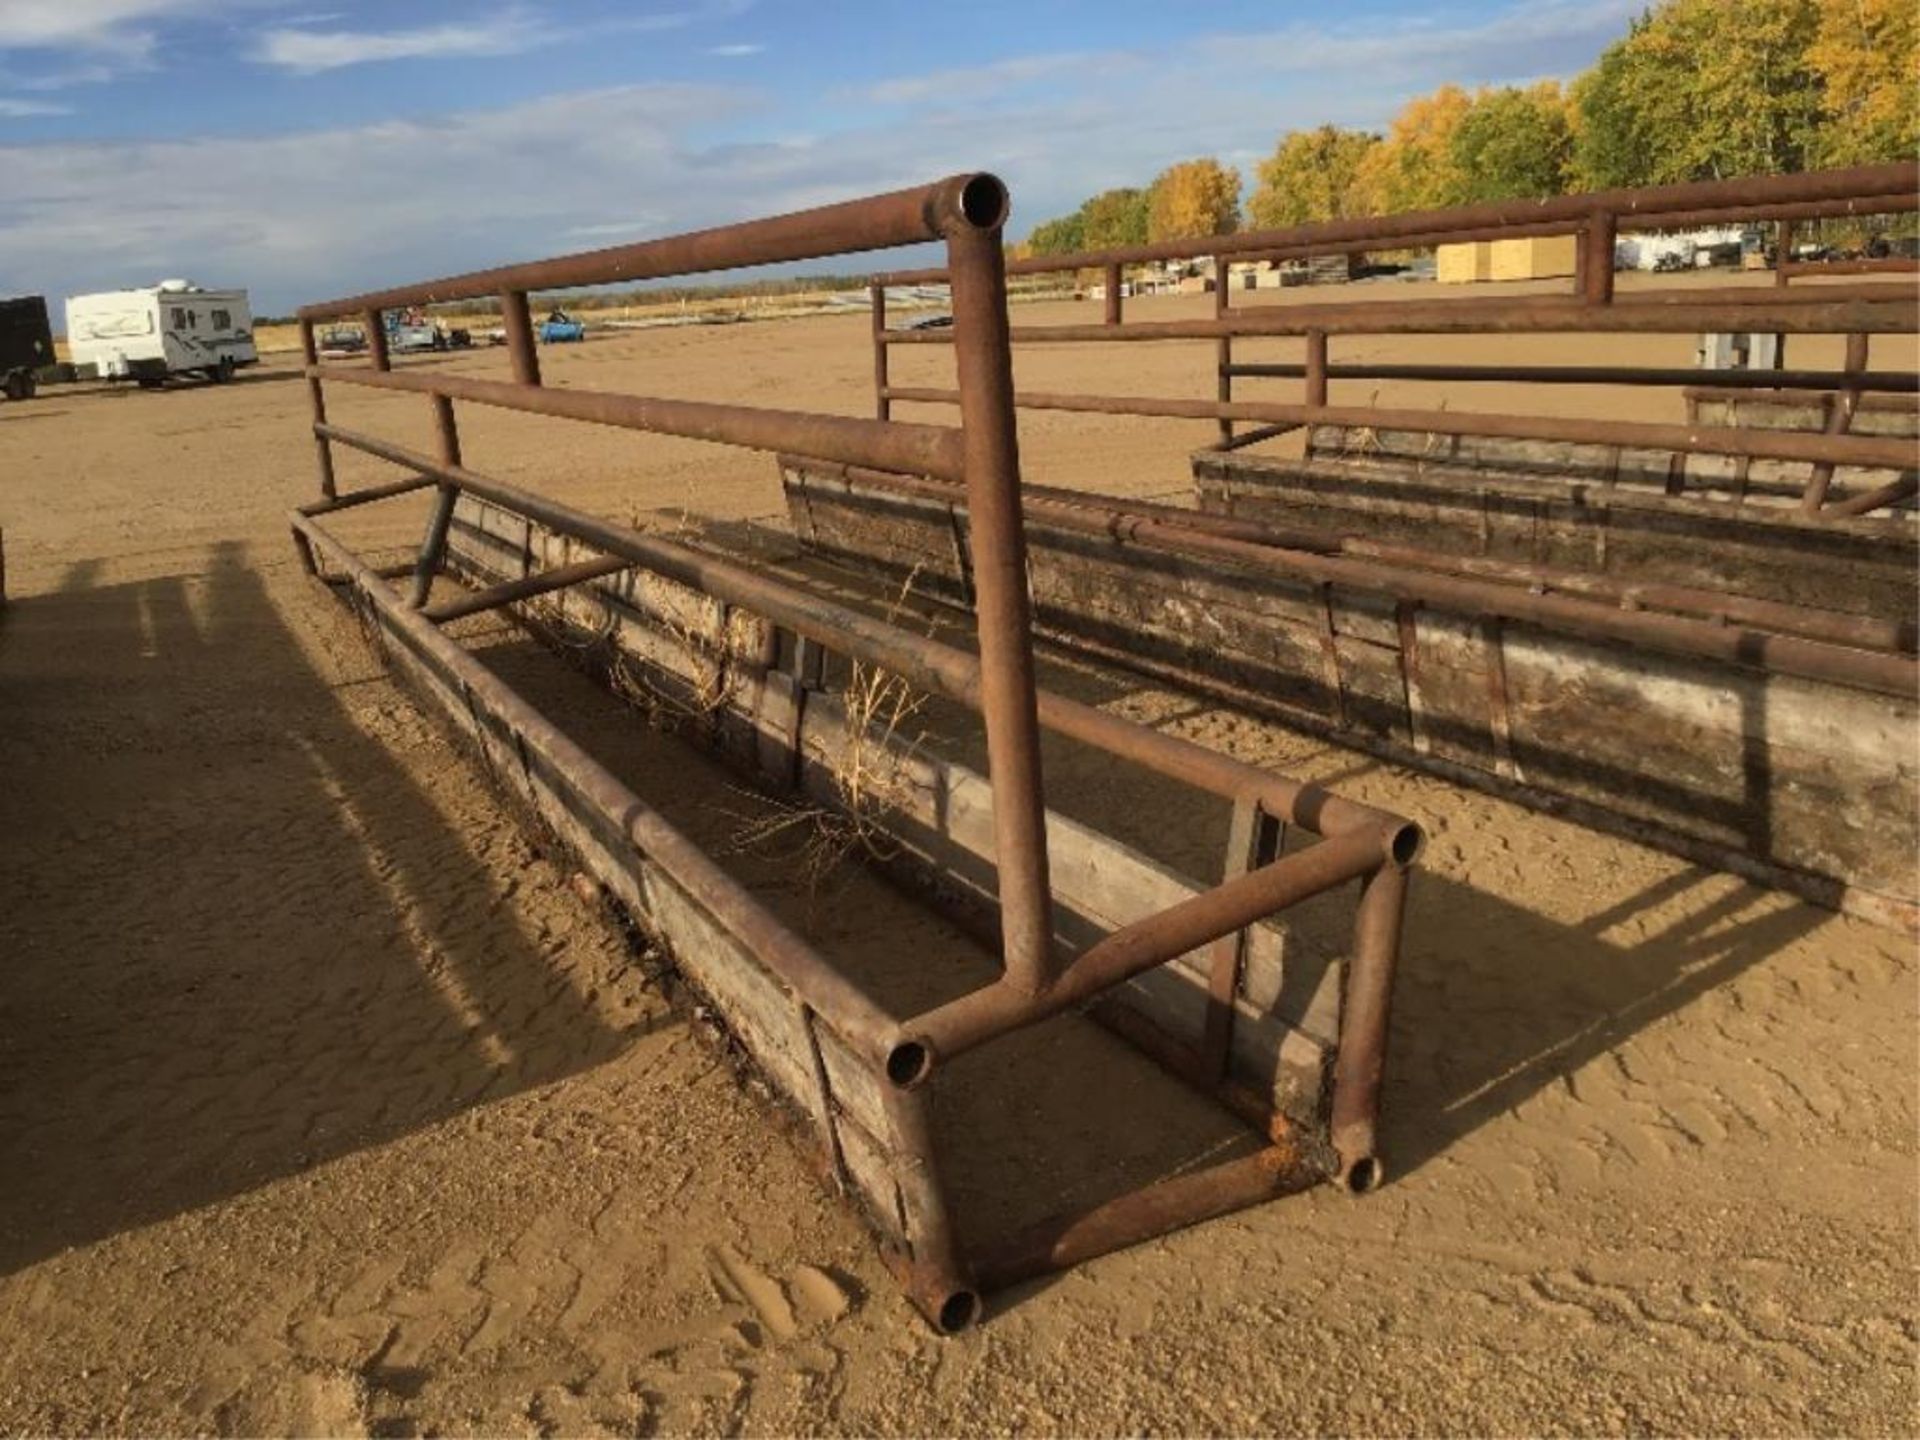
1208	981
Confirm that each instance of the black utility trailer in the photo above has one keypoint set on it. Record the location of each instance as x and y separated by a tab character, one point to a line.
26	344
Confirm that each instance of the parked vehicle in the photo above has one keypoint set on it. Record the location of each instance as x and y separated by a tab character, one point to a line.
26	344
173	328
560	328
340	340
414	330
409	330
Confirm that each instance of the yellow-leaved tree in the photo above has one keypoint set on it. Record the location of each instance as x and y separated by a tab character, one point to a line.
1194	198
1863	50
1414	167
1310	176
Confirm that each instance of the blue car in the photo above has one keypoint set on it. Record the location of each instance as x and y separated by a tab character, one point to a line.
560	328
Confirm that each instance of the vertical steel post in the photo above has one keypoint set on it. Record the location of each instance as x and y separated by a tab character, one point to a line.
935	1275
1840	407
1783	257
517	320
1316	367
1223	349
376	324
983	361
1113	295
434	548
1596	258
317	400
882	406
1362	1055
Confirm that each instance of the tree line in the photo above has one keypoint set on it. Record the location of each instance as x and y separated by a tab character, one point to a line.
1695	90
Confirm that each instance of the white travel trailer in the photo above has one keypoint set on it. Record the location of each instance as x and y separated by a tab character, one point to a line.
173	328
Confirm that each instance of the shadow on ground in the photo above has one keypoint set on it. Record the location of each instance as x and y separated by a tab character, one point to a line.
239	937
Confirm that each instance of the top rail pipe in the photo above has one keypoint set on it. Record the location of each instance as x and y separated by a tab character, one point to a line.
905	217
1896	203
1883	187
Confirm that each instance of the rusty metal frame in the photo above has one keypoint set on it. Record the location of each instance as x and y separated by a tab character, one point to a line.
647	863
1854	309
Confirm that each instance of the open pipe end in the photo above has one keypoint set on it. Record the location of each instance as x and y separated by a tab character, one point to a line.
1365	1175
959	1311
909	1063
947	1298
974	202
1405	842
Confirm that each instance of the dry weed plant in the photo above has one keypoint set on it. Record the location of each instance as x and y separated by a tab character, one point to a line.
872	773
871	770
1364	440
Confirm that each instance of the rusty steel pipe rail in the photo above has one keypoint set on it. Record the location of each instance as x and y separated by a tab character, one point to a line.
1893	382
1068	1240
880	222
986	1014
928	448
1246	248
1015	1002
1866	310
528	587
1892	493
364	496
1867	189
1869	265
1866	450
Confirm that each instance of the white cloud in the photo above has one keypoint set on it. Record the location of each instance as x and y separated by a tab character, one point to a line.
295	44
633	229
118	27
308	52
62	79
12	109
735	52
1509	45
299	216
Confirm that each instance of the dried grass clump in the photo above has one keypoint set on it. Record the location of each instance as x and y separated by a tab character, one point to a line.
873	771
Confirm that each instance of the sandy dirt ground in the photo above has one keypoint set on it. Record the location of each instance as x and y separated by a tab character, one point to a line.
329	1105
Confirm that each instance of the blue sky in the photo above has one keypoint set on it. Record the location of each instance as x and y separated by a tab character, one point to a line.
307	148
